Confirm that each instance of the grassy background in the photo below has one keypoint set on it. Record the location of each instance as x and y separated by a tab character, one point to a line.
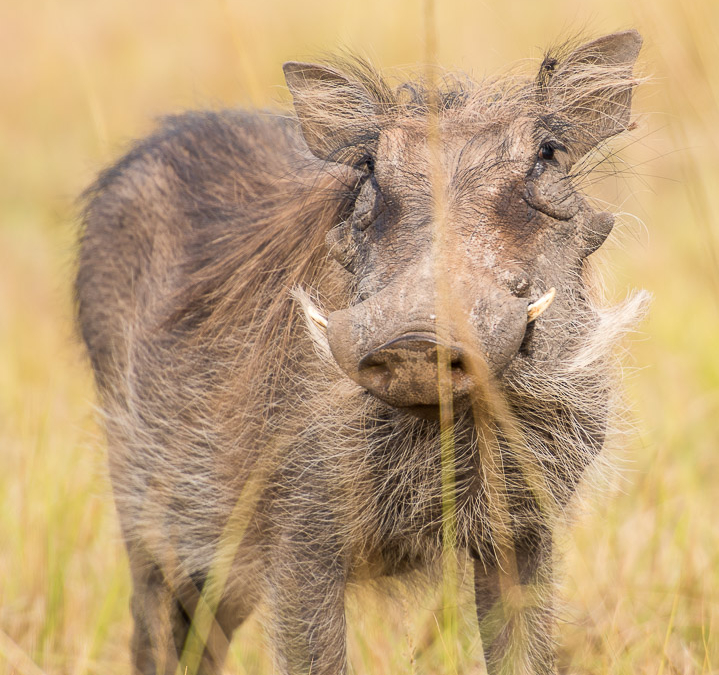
79	78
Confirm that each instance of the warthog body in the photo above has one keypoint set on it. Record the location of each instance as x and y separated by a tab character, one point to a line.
282	315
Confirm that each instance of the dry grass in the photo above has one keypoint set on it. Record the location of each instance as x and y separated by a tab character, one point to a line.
81	77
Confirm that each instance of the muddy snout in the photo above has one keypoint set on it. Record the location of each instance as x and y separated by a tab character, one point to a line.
404	371
398	358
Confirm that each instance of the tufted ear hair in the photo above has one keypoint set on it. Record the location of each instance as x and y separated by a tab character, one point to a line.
589	93
337	114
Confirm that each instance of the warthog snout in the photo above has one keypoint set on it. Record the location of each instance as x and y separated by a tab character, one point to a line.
398	358
404	371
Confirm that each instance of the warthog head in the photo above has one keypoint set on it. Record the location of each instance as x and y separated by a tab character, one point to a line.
467	228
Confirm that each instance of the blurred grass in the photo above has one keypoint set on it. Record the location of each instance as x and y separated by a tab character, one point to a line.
81	77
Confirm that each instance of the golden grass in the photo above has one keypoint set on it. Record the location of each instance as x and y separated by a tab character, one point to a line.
79	78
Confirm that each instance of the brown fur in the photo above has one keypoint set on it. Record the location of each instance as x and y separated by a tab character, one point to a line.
246	466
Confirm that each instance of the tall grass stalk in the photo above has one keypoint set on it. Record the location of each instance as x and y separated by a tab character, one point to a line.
450	621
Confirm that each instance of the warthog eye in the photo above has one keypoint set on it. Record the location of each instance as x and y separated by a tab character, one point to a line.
548	188
546	151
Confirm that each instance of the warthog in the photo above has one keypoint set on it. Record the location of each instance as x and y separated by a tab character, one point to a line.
348	343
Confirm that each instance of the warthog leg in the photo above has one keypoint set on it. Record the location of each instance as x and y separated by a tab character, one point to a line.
168	637
307	582
514	610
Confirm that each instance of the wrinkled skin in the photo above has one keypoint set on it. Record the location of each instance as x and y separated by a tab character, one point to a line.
512	228
261	462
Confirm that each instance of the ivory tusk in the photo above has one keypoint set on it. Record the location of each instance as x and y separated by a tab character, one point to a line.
536	308
316	317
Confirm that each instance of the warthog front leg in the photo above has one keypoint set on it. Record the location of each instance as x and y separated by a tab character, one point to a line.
514	610
307	585
167	639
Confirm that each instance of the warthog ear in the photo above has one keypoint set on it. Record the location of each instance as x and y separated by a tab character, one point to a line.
337	114
589	93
